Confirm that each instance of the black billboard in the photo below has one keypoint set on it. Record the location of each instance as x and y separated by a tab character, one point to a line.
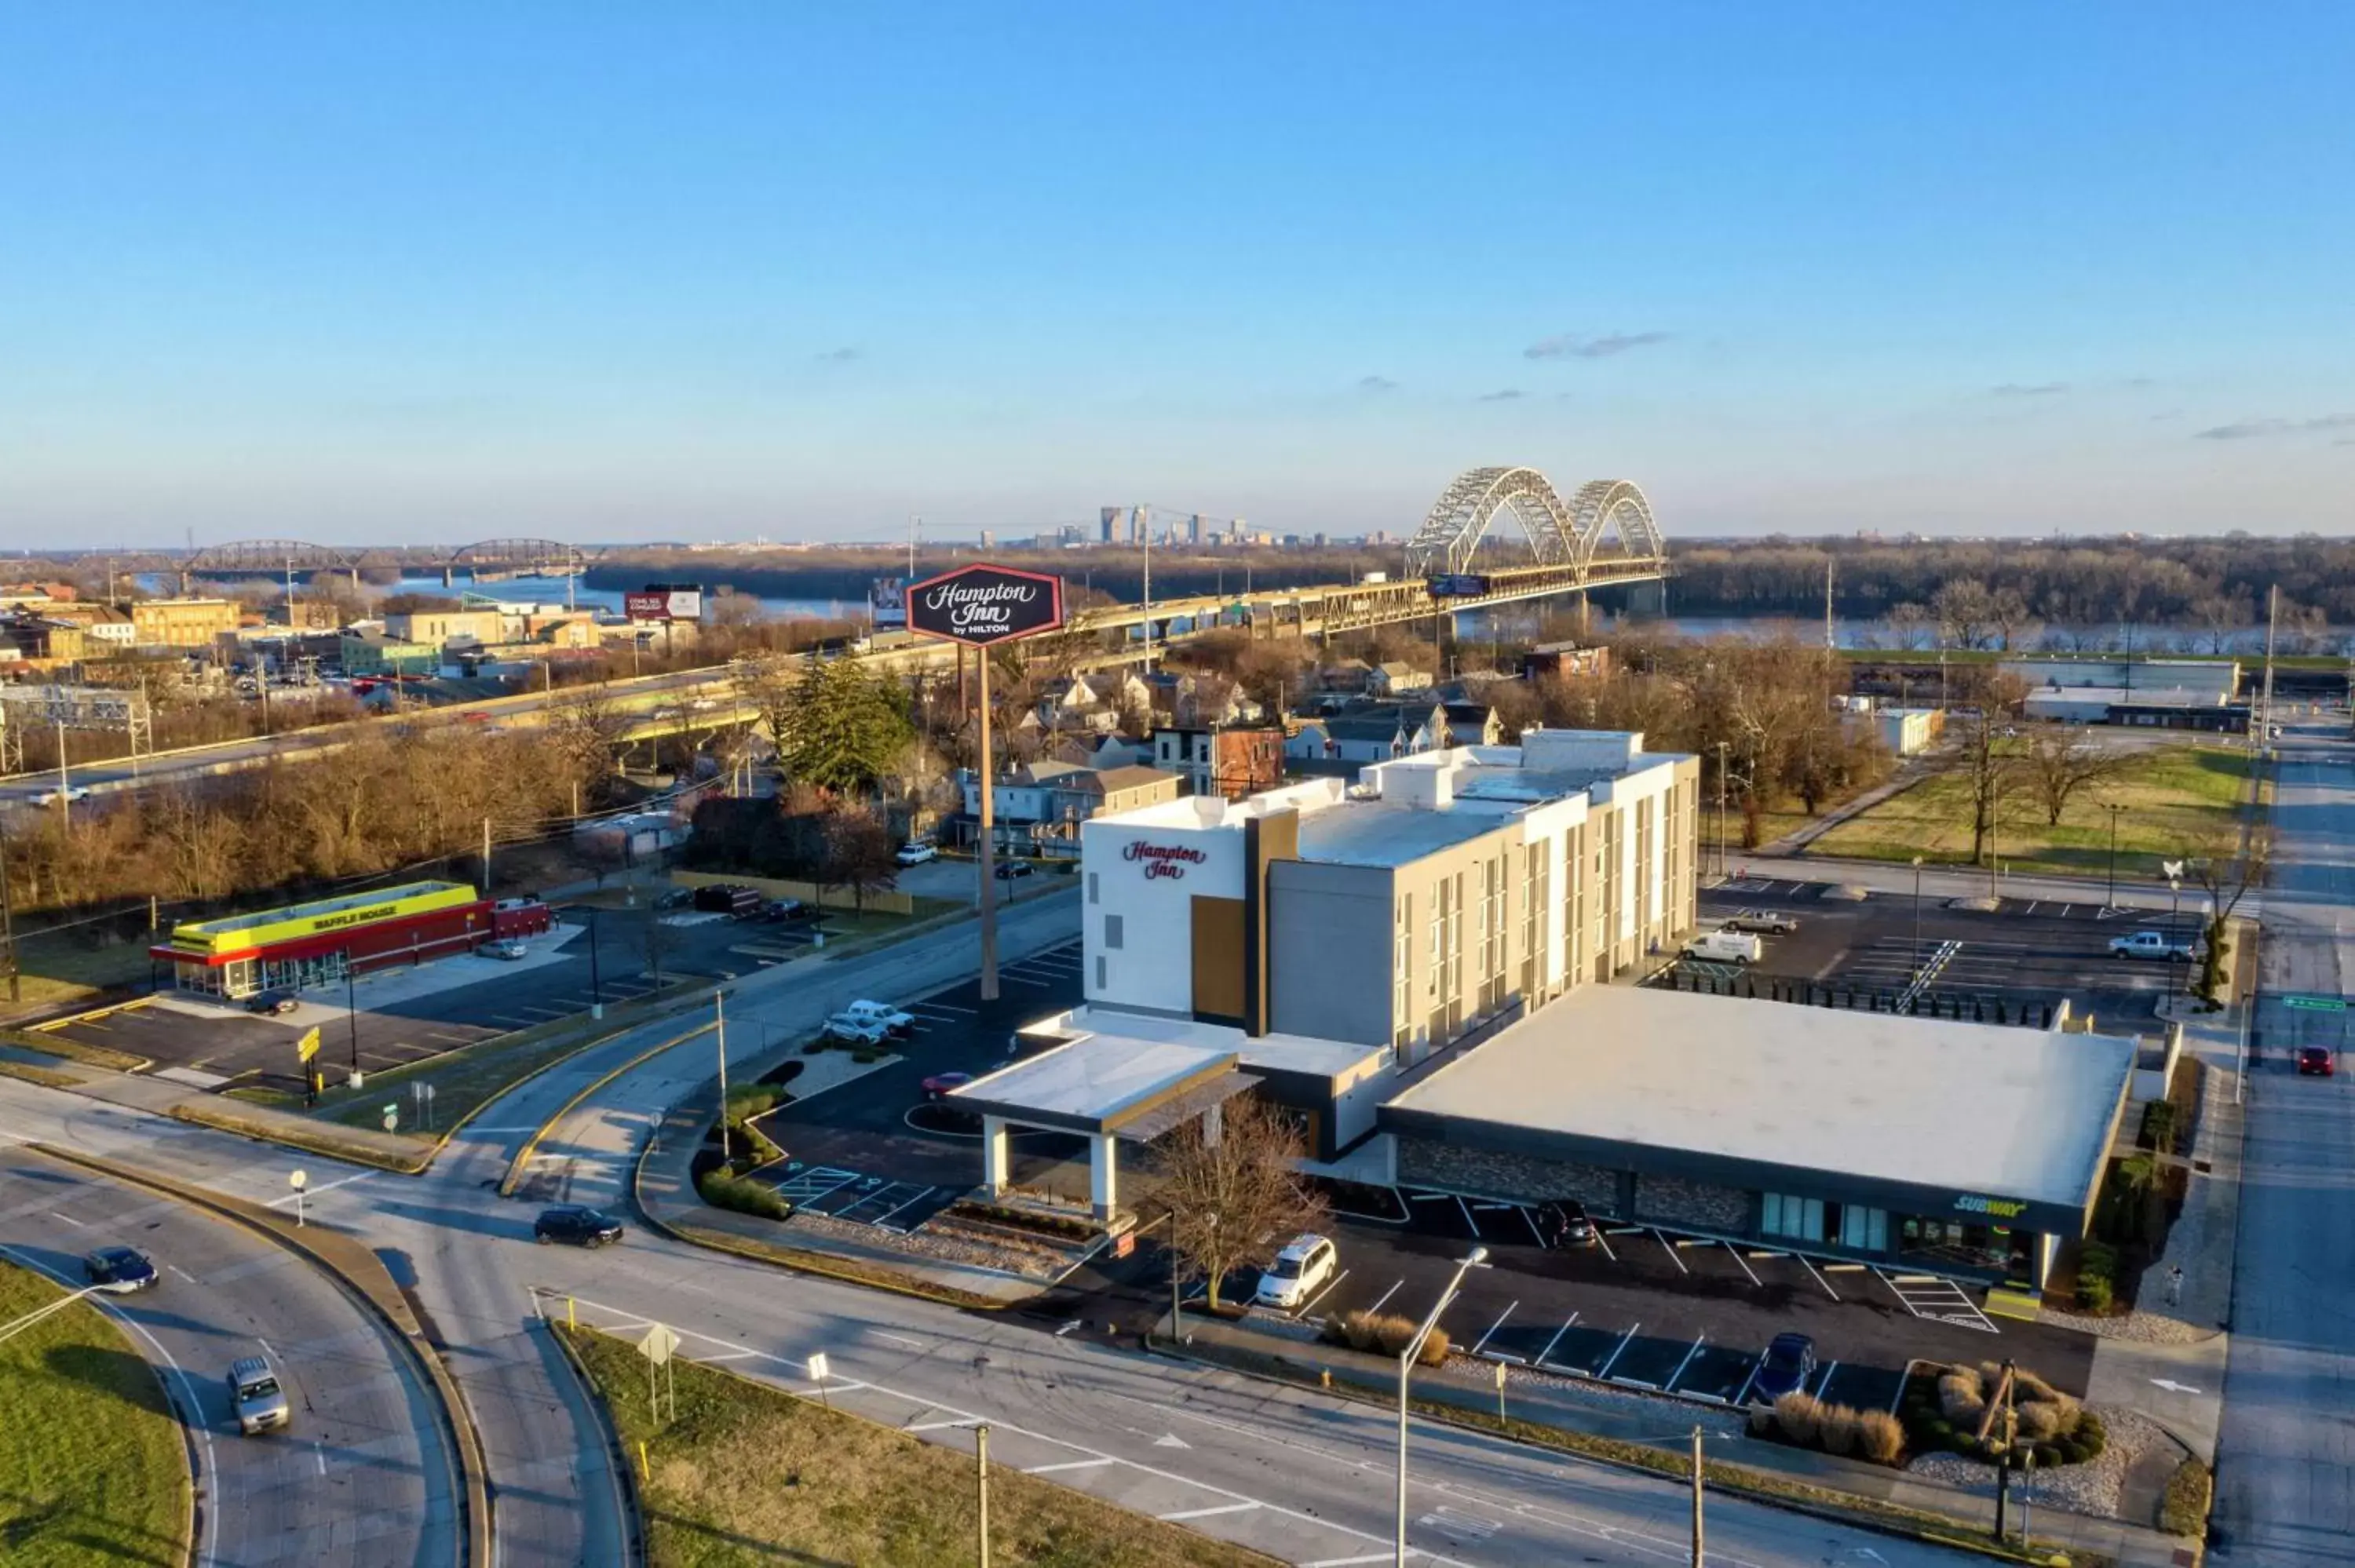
981	605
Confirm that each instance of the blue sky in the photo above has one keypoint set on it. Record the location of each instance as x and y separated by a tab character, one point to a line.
607	271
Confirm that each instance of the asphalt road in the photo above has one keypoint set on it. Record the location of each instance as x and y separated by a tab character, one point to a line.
2285	1459
361	1476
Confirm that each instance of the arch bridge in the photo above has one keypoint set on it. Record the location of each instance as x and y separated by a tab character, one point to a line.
1557	533
490	559
267	559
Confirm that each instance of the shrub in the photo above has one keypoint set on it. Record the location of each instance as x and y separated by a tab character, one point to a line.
1879	1436
1800	1415
1383	1334
2158	1125
1940	1432
2090	1435
725	1191
1836	1429
2039	1420
2093	1294
2183	1506
1960	1397
2048	1455
1761	1421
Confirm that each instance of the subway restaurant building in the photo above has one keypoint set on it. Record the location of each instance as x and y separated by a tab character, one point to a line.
306	944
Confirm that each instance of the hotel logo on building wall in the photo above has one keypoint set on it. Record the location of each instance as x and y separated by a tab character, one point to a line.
1162	860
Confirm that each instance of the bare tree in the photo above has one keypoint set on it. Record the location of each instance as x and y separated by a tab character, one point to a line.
2226	866
1235	1197
2057	762
1986	765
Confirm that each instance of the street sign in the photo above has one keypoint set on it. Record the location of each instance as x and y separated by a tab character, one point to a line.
981	605
298	1179
392	1117
818	1368
658	1341
308	1046
2315	1003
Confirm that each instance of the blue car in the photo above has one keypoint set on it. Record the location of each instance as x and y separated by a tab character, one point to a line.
118	1270
1789	1362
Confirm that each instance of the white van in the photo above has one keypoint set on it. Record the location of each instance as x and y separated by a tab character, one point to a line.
1725	947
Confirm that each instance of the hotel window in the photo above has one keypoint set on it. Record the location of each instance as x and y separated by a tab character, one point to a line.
1401	957
1112	932
1091	887
1799	1219
1102	983
1435	971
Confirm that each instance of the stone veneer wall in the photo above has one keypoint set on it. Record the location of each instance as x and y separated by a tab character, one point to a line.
1426	1162
1697	1205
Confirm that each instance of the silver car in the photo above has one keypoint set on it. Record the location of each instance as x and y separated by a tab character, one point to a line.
255	1394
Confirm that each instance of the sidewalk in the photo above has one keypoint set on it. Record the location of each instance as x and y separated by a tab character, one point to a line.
1665	1424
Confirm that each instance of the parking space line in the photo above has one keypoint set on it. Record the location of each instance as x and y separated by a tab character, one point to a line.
1320	1296
1819	1278
1743	1396
1386	1296
1603	1242
1493	1328
1825	1381
1735	1253
910	1204
1472	1224
1625	1340
1558	1333
1672	1251
1689	1354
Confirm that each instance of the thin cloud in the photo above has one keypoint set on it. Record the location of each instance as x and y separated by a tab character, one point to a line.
1376	384
1508	394
2028	389
2251	429
838	356
1569	346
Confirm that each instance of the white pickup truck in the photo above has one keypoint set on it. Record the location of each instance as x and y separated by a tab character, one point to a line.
2148	945
891	1019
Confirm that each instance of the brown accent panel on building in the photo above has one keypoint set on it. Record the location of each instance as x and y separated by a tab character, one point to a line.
1273	837
1218	960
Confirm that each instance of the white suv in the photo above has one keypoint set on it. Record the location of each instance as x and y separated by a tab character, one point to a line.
1306	1266
852	1029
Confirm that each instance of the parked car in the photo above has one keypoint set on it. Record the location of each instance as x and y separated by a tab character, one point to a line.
849	1029
272	1002
254	1392
1763	922
577	1224
2148	945
118	1270
1788	1364
940	1085
2314	1061
676	898
890	1018
508	950
1564	1222
916	854
1305	1267
1009	869
783	910
1725	947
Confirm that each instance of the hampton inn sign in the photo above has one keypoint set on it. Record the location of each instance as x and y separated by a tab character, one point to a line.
1162	860
979	606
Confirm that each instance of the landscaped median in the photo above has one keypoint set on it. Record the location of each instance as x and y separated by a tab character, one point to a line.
72	1049
744	1471
93	1467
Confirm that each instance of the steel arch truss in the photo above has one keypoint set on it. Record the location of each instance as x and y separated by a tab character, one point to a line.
265	557
1451	532
545	557
1617	505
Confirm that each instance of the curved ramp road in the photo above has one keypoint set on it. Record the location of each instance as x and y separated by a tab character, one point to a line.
361	1478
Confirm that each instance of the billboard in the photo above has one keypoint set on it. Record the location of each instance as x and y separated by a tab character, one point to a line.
886	603
982	605
665	601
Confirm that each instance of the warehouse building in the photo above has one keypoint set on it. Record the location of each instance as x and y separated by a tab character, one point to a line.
319	943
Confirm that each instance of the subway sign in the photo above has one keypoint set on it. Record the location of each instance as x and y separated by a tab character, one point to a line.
981	605
1994	1208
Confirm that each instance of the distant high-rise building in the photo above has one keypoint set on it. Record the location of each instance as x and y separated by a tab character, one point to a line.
1320	541
1194	529
1114	520
989	539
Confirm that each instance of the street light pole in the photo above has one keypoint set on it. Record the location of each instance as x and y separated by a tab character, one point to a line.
352	1007
1474	1259
1917	914
596	985
1696	1498
2113	809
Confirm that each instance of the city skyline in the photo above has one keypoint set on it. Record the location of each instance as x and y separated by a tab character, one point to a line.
443	276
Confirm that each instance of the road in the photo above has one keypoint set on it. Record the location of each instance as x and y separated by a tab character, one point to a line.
2286	1464
362	1476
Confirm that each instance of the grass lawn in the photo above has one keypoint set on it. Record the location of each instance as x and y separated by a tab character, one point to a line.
92	1467
2174	798
58	970
748	1475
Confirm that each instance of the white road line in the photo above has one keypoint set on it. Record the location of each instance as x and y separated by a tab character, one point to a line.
1184	1514
1603	1242
1558	1333
1329	1287
724	1356
320	1454
1736	1253
181	1272
1825	1381
938	1425
1064	1465
67	1219
1385	1296
910	1204
1672	1252
1347	1562
315	1192
899	1340
1819	1278
1493	1328
943	1007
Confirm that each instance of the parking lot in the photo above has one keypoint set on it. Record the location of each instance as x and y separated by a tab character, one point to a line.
392	1017
2027	951
876	1151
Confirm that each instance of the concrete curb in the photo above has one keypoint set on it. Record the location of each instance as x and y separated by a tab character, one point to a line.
633	1508
364	1278
515	1166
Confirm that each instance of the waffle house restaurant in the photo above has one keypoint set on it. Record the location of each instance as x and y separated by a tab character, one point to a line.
306	944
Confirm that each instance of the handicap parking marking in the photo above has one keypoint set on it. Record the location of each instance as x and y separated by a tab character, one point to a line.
804	1187
1934	1296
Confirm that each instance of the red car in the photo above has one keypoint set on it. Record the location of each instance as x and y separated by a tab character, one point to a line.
938	1086
2314	1061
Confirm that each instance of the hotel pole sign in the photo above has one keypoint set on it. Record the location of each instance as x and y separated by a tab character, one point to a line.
982	606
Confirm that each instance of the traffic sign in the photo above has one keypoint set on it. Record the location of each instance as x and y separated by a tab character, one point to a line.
2315	1003
308	1046
659	1341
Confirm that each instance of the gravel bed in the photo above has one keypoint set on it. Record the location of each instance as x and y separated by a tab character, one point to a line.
2142	1328
1685	1413
2093	1488
1006	1258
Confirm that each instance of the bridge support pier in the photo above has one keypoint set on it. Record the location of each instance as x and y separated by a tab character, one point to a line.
449	578
1647	598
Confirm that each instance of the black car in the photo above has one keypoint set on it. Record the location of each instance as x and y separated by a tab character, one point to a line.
118	1270
1789	1362
1009	869
270	1001
580	1226
1565	1222
778	909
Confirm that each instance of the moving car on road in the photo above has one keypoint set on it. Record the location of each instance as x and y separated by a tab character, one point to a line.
893	1021
2314	1061
940	1085
577	1224
254	1392
1304	1268
118	1270
1789	1362
62	796
916	854
2148	945
1008	870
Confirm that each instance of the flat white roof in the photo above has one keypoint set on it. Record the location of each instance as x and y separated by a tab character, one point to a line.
1282	1052
2133	696
1973	1108
1377	832
1095	1081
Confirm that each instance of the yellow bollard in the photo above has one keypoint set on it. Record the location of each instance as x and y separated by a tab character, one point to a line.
645	1477
571	1320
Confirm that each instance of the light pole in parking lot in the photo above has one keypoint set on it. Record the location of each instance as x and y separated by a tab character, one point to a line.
2113	809
352	1006
1917	914
1472	1260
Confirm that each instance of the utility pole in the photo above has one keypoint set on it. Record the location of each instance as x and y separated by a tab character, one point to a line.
1831	643
2273	619
1696	1498
1720	811
2003	1459
1144	527
987	863
486	857
65	784
719	1032
981	1484
914	524
8	921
